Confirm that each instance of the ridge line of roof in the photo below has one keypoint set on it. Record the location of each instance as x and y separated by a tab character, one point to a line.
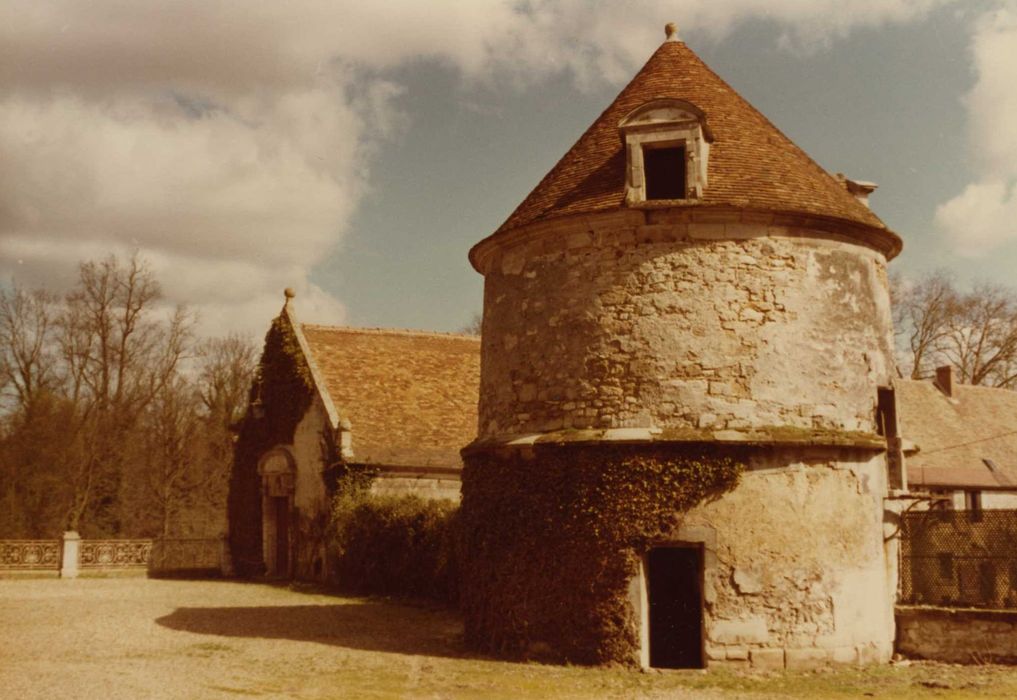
390	331
332	412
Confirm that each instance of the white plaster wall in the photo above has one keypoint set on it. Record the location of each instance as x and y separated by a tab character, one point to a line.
799	562
309	496
311	509
999	500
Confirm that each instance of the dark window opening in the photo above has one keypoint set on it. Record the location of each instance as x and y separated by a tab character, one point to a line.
973	504
664	170
945	565
886	412
675	593
282	535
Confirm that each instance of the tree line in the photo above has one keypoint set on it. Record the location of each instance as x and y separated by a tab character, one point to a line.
115	419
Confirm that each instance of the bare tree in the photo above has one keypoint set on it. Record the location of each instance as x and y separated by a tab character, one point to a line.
475	324
119	355
226	368
27	361
124	436
975	332
176	470
922	312
981	342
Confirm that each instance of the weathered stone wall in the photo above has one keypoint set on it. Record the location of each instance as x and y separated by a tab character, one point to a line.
664	323
795	571
957	636
681	325
408	484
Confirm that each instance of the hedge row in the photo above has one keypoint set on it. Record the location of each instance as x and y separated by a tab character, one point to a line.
395	545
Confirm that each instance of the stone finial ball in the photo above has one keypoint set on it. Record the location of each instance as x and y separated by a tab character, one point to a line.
289	293
670	29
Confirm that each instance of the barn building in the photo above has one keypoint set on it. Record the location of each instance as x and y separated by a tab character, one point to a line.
686	284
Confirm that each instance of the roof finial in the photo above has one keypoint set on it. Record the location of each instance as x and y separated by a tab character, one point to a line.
671	31
289	294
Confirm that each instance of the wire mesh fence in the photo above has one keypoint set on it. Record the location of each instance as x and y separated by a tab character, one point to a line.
959	558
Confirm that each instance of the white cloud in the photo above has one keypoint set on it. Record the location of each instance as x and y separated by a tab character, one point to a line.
984	215
230	142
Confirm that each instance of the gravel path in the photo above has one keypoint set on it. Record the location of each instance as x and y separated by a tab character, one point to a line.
141	638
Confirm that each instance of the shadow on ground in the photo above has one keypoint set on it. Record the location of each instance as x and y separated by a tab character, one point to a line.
366	626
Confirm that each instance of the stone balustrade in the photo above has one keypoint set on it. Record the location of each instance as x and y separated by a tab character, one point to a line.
72	556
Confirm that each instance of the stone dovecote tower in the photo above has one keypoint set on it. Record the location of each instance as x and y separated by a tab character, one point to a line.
686	294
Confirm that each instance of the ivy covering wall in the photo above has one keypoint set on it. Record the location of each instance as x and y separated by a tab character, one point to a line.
281	394
551	539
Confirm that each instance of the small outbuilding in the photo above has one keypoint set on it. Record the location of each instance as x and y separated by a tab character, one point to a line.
397	403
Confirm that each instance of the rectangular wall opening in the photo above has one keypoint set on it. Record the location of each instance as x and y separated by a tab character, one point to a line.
664	170
282	535
675	596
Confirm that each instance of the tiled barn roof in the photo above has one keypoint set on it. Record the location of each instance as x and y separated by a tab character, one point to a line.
751	163
955	435
410	396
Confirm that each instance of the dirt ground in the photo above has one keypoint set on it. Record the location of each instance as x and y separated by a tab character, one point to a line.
141	638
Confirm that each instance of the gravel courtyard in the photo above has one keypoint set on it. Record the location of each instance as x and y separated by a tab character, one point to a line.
140	638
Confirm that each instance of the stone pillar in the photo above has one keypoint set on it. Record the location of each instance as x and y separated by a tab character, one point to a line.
69	559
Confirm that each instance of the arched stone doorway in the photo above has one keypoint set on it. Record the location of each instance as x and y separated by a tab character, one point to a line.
277	469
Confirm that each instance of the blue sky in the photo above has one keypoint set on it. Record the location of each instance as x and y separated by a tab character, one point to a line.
356	152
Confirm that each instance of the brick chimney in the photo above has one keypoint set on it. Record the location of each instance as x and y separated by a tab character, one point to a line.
944	379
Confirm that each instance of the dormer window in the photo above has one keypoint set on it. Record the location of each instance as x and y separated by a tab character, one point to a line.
667	145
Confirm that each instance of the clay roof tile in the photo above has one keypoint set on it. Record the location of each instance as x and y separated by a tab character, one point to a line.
411	396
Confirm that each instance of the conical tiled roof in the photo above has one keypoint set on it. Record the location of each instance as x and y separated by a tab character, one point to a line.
751	163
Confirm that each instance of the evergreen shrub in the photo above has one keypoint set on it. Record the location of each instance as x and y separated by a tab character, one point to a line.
394	545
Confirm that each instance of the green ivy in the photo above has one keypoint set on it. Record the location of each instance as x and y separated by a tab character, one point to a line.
284	389
551	539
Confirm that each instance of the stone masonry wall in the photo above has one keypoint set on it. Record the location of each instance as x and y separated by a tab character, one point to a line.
794	570
719	326
424	486
957	636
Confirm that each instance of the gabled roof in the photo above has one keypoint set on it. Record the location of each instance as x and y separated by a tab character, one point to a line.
955	435
751	163
409	396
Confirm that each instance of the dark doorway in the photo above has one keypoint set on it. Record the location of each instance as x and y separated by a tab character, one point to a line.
282	535
675	593
664	170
